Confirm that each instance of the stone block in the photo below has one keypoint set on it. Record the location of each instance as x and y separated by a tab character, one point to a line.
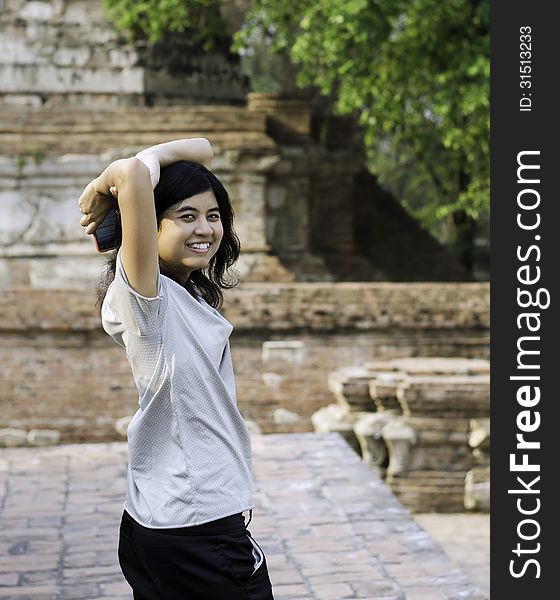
11	437
37	11
121	425
43	437
479	439
368	429
383	391
441	365
286	417
477	489
289	111
72	57
253	427
429	491
337	418
284	350
445	395
399	437
350	387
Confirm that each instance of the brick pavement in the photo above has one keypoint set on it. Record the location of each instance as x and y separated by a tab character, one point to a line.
465	538
331	530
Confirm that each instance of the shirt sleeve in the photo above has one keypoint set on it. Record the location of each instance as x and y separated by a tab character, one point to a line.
126	312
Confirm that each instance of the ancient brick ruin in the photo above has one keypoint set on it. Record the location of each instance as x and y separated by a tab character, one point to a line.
416	421
323	247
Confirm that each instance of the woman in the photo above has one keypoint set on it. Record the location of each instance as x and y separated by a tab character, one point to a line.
182	535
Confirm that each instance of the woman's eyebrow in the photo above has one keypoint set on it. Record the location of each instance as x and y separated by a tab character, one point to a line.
185	208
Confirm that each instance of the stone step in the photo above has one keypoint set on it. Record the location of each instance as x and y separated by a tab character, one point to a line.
432	501
57	132
200	117
38	143
437	365
456	477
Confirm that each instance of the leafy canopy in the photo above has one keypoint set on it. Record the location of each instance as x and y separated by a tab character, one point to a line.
154	19
415	72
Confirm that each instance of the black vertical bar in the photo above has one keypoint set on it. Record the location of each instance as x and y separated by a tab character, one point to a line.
524	129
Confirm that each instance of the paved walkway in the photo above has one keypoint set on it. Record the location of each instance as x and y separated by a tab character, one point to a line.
331	530
465	538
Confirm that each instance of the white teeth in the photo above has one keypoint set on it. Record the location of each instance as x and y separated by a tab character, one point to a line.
200	246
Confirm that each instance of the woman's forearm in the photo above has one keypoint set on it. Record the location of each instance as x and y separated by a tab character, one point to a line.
117	174
195	149
126	183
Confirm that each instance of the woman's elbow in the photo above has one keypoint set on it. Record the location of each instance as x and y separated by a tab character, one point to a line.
207	152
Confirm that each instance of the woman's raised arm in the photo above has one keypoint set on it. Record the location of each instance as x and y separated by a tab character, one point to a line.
194	149
127	180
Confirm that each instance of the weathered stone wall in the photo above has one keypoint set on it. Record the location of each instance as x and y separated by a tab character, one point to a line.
75	95
61	371
66	52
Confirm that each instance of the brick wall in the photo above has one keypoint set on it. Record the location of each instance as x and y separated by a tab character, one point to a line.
61	371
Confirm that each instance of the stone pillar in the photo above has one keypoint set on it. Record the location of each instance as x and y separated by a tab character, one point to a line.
337	418
477	480
350	387
250	203
383	389
399	438
288	112
369	432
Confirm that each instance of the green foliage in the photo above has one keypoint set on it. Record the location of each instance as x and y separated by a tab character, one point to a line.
154	19
30	151
416	74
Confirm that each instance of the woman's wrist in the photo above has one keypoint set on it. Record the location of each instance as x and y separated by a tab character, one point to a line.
195	149
117	174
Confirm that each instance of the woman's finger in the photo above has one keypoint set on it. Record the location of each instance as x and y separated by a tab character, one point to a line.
91	227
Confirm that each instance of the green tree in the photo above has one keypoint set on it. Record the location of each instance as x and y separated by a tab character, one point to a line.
416	75
154	19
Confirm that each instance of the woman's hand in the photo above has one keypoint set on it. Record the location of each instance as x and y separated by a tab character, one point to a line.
95	204
101	193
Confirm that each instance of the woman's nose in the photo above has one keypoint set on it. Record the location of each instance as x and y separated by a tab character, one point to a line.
203	227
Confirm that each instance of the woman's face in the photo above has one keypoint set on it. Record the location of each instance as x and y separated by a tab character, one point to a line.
189	234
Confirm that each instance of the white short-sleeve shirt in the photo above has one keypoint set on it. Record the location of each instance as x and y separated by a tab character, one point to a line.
189	447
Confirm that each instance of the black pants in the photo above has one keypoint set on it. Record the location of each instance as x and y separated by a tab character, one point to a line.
212	561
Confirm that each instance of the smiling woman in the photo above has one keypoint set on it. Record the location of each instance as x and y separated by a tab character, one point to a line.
189	448
184	230
191	206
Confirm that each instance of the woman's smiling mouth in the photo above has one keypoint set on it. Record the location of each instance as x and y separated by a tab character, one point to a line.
199	247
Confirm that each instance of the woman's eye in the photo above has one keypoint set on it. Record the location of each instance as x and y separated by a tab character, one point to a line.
214	217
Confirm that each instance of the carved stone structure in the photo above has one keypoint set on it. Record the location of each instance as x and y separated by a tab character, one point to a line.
76	95
53	349
421	422
477	481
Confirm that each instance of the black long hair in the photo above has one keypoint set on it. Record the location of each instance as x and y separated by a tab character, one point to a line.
177	182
